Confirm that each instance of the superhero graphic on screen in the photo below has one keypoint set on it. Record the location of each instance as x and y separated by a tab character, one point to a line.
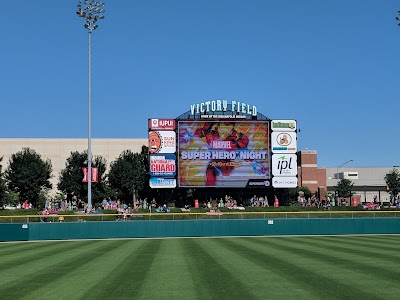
232	140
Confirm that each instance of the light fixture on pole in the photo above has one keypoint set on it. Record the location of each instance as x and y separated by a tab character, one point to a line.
338	167
337	172
92	11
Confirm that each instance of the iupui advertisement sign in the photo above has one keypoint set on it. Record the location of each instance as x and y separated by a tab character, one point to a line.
223	154
159	182
162	142
283	142
284	165
163	165
95	174
162	124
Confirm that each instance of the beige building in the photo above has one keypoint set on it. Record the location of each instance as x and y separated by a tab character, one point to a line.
59	149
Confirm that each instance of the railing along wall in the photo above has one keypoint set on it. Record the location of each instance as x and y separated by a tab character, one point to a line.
197	216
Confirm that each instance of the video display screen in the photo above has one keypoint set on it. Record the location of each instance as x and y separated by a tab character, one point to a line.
223	153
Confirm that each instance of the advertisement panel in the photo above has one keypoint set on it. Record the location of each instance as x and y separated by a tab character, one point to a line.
284	165
223	153
283	142
94	173
284	182
162	165
160	183
283	125
162	142
162	124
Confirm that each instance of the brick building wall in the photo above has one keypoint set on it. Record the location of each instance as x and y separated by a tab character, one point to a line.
309	174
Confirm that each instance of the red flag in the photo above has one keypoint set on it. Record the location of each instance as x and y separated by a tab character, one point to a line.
95	174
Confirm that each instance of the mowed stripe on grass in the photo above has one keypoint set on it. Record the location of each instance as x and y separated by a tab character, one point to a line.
309	267
93	275
330	274
44	269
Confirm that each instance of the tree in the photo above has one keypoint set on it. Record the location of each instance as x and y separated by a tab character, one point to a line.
294	192
70	180
28	174
2	183
145	167
129	172
344	188
393	183
3	189
11	198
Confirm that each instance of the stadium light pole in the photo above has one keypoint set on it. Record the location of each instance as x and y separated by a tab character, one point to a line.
92	11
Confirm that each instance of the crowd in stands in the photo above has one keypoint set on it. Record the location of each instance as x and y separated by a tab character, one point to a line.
331	201
108	204
323	202
53	206
315	201
376	204
163	208
124	211
227	202
260	201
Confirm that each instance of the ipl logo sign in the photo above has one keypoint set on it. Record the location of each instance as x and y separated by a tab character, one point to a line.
284	164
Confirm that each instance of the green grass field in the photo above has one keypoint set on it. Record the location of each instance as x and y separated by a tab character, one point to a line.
319	267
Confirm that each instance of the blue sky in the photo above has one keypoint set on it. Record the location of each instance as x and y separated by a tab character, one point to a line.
332	65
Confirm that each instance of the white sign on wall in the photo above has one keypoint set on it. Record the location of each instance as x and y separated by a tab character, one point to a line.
283	125
284	165
162	142
284	182
283	142
158	182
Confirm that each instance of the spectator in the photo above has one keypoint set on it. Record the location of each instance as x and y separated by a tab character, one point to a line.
25	205
45	215
266	204
153	203
165	208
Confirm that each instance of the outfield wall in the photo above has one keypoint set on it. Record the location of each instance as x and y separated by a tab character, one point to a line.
196	228
14	232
